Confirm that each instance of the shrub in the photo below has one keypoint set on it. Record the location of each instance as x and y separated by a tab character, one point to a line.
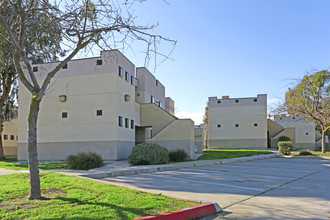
284	147
284	138
178	155
305	152
84	161
148	153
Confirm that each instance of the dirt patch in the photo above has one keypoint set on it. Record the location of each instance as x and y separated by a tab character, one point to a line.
52	192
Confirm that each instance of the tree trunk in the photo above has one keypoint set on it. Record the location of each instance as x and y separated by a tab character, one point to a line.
2	155
323	142
35	191
328	133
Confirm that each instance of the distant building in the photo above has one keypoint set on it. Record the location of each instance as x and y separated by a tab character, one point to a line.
102	104
200	138
9	137
300	131
237	122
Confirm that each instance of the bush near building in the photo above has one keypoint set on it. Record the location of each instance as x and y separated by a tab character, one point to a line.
178	155
84	161
284	138
284	147
148	154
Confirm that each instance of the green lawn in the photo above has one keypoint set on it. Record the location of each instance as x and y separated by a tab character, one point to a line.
225	154
77	198
11	164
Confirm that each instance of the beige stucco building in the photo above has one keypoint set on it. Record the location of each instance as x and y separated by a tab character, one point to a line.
200	138
102	104
237	122
300	131
9	137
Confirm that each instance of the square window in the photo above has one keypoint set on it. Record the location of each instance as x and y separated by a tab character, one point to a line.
237	101
12	137
132	80
219	101
255	124
126	122
152	99
306	133
35	69
293	117
219	126
5	137
120	121
99	112
236	125
99	62
255	100
64	114
132	124
65	66
120	70
126	76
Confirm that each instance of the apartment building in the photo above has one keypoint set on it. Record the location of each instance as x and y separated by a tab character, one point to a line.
101	104
300	131
237	122
9	137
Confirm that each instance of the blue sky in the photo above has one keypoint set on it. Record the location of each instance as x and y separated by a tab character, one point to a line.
239	48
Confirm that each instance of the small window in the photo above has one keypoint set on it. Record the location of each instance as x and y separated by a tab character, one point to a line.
236	125
219	126
126	76
5	137
255	100
99	112
35	69
126	122
280	118
156	82
152	99
219	101
120	121
132	80
99	62
12	137
132	124
306	133
120	72
65	66
64	114
255	124
293	117
237	101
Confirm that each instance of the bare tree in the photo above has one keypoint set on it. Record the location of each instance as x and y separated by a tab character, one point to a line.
73	25
311	99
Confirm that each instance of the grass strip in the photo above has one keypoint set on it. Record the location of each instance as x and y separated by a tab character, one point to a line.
77	198
225	154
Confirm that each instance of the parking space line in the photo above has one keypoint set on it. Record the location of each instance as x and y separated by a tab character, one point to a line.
265	168
204	182
229	172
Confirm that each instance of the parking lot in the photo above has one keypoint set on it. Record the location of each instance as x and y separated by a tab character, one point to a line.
277	188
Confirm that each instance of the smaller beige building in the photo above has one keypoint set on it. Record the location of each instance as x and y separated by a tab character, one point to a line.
200	138
9	137
301	132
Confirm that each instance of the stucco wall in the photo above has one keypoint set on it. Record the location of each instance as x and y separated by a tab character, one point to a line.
10	129
88	87
238	122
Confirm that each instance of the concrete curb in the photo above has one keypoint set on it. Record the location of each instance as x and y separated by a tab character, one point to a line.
187	213
157	168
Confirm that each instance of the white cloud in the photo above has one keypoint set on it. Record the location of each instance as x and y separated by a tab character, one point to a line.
274	101
197	117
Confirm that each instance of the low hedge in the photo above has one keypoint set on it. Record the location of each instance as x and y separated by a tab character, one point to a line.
84	161
148	153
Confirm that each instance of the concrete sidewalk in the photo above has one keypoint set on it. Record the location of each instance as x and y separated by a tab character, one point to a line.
123	168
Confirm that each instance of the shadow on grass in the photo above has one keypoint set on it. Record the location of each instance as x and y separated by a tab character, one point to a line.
120	210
